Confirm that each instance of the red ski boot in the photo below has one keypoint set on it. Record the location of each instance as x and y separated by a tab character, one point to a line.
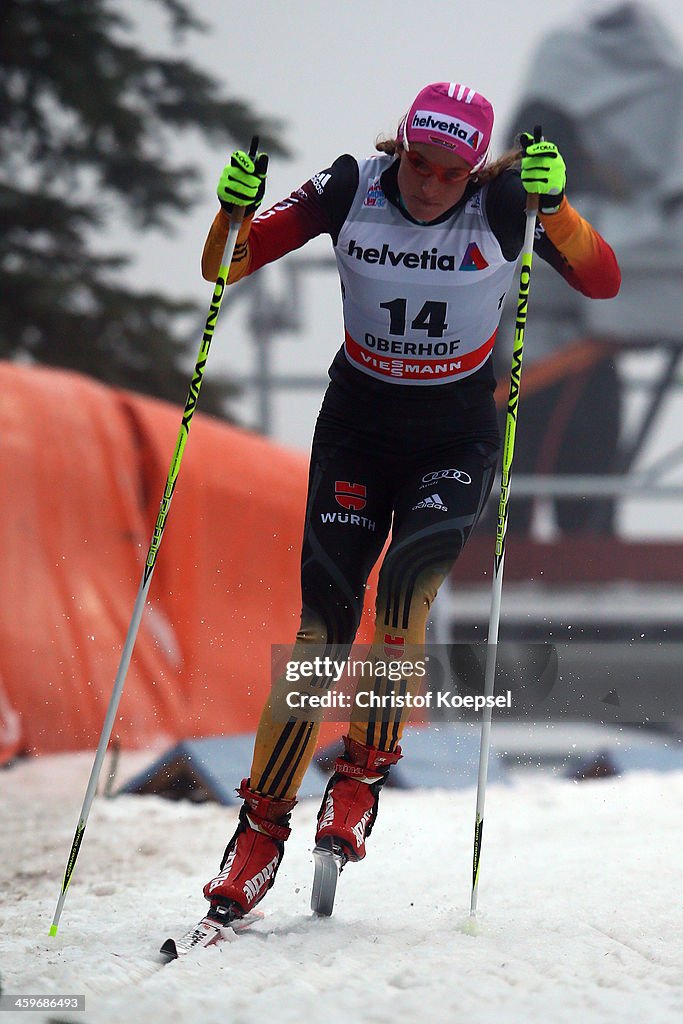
347	815
253	855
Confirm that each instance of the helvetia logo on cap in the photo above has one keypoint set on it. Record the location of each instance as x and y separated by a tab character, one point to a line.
431	121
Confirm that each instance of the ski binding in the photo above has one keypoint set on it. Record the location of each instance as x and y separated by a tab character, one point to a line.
212	928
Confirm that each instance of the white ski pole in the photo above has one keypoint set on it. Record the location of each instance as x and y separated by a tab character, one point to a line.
236	218
501	529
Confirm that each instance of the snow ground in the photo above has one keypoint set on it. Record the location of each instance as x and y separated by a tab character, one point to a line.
579	920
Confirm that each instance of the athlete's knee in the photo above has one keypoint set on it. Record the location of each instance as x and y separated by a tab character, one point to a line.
331	618
404	600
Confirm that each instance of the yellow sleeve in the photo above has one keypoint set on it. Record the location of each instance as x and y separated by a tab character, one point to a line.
575	238
214	246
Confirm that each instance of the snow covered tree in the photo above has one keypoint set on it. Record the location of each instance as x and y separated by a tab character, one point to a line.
86	123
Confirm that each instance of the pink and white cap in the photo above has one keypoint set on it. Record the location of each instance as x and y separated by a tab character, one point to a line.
451	115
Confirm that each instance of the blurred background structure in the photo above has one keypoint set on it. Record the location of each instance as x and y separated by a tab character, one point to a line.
612	99
115	118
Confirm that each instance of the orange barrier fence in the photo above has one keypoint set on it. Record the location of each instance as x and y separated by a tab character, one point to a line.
83	469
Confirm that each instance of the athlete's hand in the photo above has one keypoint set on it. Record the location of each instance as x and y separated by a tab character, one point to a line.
243	181
543	172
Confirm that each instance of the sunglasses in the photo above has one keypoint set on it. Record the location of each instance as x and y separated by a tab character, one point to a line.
446	175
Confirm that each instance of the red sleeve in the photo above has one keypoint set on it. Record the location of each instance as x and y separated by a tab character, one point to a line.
319	207
286	226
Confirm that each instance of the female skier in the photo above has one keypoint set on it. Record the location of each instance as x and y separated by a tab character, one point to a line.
426	236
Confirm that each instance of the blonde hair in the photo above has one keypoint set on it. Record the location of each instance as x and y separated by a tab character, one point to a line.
490	170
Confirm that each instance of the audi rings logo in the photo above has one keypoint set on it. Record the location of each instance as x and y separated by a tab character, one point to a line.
446	474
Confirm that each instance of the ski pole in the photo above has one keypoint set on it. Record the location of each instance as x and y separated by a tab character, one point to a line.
501	529
236	217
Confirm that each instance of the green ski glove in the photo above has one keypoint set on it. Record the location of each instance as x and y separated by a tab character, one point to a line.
543	172
243	182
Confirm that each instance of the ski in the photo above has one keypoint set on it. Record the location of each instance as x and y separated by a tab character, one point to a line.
329	859
212	928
